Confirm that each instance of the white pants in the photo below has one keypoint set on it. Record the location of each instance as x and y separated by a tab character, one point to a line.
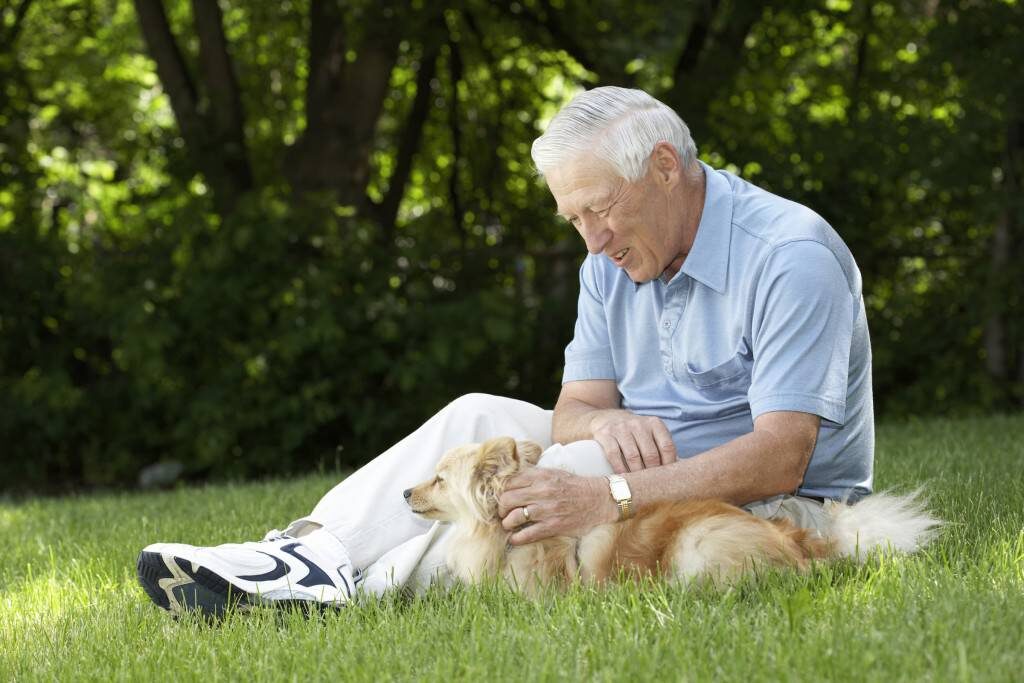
367	511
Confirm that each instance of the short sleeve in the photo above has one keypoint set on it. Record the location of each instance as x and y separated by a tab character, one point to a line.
802	329
589	354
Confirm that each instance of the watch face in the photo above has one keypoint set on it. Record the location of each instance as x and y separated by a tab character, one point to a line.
619	488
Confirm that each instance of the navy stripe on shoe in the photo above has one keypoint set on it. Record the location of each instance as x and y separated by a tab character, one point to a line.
280	569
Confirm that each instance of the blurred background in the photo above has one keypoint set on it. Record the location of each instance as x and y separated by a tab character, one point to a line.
262	237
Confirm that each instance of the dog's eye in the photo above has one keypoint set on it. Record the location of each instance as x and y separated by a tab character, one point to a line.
439	481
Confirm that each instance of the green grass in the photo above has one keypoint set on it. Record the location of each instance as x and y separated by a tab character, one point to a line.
70	608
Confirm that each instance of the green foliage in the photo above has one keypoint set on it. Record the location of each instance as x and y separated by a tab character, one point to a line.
145	317
246	347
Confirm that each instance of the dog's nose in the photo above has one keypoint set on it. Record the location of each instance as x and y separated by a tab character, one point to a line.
407	493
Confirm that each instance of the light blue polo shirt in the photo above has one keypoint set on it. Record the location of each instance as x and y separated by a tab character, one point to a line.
766	314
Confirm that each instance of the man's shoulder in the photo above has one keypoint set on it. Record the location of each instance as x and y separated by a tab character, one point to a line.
766	223
772	219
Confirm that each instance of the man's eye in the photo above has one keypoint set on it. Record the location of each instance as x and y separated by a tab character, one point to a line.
575	220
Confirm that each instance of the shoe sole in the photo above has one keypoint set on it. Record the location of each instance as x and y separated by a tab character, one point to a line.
189	587
176	585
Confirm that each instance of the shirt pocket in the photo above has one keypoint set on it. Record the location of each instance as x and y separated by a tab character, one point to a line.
730	372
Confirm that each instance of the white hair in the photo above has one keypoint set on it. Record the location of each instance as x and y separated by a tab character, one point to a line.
618	125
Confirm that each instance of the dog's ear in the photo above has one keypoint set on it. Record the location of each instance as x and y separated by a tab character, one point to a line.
498	458
528	451
496	461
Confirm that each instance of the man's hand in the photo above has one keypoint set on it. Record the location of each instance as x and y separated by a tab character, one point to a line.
558	503
632	442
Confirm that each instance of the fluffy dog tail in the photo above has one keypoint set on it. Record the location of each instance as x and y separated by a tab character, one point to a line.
884	522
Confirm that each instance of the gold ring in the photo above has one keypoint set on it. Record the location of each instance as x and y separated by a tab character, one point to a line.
526	512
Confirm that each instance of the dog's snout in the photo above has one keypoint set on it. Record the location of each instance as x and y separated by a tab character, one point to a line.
407	493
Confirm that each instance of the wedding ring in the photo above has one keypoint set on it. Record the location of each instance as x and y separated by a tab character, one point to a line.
526	512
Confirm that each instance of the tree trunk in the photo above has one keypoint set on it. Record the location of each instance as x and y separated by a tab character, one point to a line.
710	59
344	97
1004	333
409	142
226	119
213	129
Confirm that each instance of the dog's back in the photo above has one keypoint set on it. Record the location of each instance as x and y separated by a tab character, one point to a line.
695	540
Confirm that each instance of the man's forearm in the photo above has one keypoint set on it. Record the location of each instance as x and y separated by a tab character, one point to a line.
751	467
768	461
573	420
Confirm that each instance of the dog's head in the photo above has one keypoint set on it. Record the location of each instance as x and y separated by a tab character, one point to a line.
469	480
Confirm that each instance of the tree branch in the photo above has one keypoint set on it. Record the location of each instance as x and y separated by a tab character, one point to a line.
859	68
717	58
226	113
19	19
170	67
696	41
550	24
412	134
454	76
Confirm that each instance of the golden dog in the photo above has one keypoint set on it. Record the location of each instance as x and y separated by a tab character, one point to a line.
707	540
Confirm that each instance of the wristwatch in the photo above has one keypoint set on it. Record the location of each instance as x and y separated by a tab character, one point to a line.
621	495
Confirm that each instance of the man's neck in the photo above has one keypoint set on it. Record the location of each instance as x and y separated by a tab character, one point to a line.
693	208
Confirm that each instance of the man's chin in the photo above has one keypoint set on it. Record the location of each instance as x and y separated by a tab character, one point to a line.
639	277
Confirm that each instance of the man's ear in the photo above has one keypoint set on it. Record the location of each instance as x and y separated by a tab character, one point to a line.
528	451
665	163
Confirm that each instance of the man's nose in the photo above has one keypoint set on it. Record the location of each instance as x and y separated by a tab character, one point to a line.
595	234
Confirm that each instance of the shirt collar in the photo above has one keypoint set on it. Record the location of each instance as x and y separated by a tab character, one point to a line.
708	260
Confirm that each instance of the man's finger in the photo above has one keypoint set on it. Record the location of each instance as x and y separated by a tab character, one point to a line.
631	453
648	449
530	534
612	453
666	446
510	500
521	480
668	452
516	517
507	521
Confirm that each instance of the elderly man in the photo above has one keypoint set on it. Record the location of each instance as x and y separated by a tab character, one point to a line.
721	350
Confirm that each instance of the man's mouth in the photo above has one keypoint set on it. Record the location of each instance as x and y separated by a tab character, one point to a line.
620	255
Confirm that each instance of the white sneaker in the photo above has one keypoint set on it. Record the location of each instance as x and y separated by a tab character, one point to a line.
313	570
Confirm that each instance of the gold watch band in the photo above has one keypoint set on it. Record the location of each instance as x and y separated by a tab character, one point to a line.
623	497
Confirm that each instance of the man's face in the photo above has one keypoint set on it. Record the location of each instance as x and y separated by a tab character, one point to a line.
629	222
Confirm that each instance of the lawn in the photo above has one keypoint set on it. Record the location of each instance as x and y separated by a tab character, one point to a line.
70	608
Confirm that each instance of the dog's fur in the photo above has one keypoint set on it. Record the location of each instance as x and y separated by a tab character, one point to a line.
706	540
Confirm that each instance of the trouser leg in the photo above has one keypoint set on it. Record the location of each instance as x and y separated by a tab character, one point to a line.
806	513
367	511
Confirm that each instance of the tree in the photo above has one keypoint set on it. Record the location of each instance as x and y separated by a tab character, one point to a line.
240	234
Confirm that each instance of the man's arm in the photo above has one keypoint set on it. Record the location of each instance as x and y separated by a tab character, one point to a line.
590	410
766	462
